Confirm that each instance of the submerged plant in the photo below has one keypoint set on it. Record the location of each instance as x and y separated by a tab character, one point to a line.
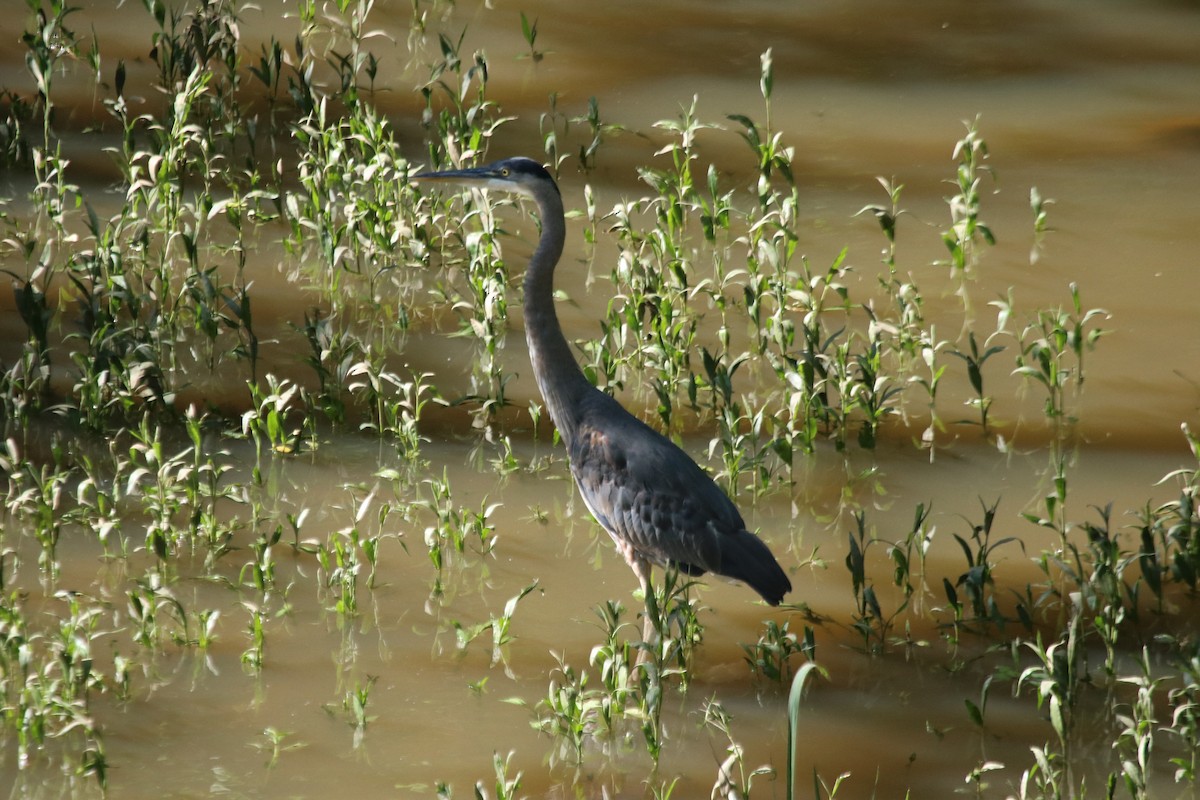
771	655
967	228
1046	344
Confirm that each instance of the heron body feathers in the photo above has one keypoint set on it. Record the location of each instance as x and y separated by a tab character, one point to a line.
645	491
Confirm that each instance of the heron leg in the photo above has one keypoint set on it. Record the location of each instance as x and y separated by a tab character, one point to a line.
649	628
641	568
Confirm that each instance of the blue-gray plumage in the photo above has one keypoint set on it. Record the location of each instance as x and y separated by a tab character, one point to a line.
658	506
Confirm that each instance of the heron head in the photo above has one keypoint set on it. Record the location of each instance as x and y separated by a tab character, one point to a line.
521	175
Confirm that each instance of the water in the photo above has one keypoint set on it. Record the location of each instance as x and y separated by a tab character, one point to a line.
1096	106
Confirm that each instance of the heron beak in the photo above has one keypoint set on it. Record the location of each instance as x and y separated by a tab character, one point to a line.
479	176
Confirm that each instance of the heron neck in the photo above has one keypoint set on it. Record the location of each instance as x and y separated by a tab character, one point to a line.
559	377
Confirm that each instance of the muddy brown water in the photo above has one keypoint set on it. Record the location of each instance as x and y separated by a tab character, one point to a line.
1098	105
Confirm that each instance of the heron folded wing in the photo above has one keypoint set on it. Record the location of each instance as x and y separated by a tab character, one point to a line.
647	492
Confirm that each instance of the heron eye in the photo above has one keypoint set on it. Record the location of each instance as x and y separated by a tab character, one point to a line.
504	171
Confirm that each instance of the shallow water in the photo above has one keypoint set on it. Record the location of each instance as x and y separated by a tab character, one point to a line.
1096	105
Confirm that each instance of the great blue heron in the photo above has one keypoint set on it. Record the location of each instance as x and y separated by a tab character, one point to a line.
658	506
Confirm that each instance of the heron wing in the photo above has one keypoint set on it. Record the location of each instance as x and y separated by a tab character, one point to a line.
647	492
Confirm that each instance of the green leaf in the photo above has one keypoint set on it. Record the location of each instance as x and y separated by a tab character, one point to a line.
793	711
